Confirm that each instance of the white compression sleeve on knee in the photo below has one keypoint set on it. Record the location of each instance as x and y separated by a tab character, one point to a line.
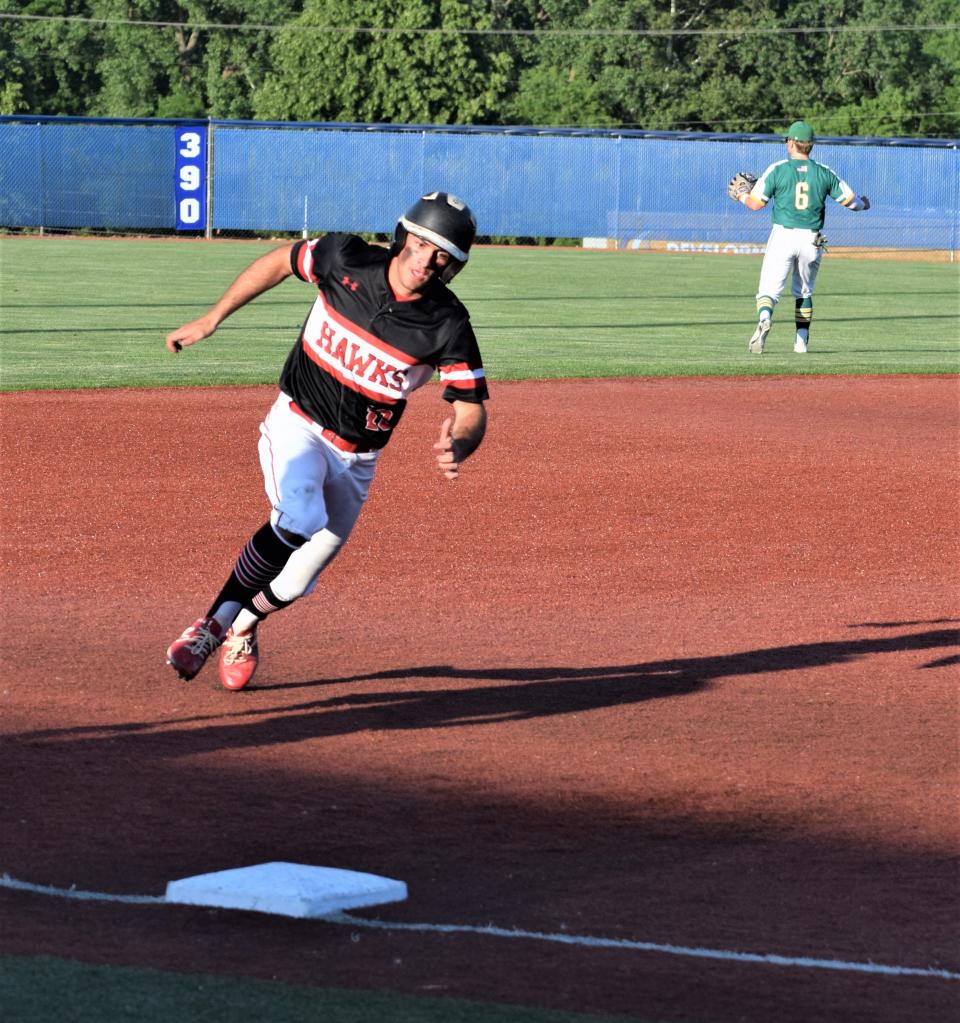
305	564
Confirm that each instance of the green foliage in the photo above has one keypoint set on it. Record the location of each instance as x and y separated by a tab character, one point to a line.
234	64
47	67
570	79
649	81
185	70
405	77
138	66
741	74
752	67
872	84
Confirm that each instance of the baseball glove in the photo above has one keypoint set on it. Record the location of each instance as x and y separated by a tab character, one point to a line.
740	183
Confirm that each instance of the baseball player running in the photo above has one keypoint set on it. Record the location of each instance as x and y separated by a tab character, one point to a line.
799	188
382	322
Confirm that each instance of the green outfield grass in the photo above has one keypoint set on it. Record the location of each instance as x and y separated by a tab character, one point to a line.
48	990
85	312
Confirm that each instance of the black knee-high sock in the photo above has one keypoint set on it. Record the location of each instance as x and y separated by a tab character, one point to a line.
803	315
259	563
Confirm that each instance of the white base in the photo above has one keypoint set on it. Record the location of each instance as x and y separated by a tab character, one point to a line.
287	889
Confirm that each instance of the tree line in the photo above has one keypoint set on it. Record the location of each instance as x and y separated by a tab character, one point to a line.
870	67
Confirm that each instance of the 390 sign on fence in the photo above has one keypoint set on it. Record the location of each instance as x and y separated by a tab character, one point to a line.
604	184
190	183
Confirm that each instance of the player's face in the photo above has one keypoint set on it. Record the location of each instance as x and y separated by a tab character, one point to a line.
416	265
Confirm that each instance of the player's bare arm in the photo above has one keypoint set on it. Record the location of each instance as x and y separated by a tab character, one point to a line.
460	436
261	275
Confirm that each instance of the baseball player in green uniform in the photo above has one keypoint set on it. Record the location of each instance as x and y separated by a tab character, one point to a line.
799	188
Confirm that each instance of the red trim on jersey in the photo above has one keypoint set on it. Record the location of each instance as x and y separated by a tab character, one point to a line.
469	382
306	250
336	440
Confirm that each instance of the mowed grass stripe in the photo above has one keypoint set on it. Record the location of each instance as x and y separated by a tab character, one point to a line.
81	312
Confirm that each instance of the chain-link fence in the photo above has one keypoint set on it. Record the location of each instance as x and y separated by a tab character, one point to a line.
623	189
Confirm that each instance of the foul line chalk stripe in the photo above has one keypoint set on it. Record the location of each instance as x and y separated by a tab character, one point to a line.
648	946
561	939
72	893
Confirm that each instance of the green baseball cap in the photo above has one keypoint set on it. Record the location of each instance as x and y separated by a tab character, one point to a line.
801	131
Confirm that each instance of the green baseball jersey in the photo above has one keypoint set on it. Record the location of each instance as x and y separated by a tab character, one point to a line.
799	189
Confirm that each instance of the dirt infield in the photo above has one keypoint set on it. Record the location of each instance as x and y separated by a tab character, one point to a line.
674	662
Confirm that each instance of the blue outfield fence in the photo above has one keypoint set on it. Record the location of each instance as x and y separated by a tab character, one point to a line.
633	188
74	174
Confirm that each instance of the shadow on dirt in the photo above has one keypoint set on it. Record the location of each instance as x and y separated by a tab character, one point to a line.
517	694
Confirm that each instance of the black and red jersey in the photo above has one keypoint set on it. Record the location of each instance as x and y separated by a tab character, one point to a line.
362	351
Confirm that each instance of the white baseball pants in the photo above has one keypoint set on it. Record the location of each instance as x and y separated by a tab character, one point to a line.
789	250
314	489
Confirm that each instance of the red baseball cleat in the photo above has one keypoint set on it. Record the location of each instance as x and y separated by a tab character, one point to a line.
239	657
188	654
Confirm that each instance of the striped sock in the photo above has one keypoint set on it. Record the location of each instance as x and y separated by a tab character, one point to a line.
259	564
265	603
802	316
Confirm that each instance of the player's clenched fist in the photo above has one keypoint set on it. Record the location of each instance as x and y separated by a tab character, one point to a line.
189	334
447	459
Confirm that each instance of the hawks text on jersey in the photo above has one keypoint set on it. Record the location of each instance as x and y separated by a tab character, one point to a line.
362	351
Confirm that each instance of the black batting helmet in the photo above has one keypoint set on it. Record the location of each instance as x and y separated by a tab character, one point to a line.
443	220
